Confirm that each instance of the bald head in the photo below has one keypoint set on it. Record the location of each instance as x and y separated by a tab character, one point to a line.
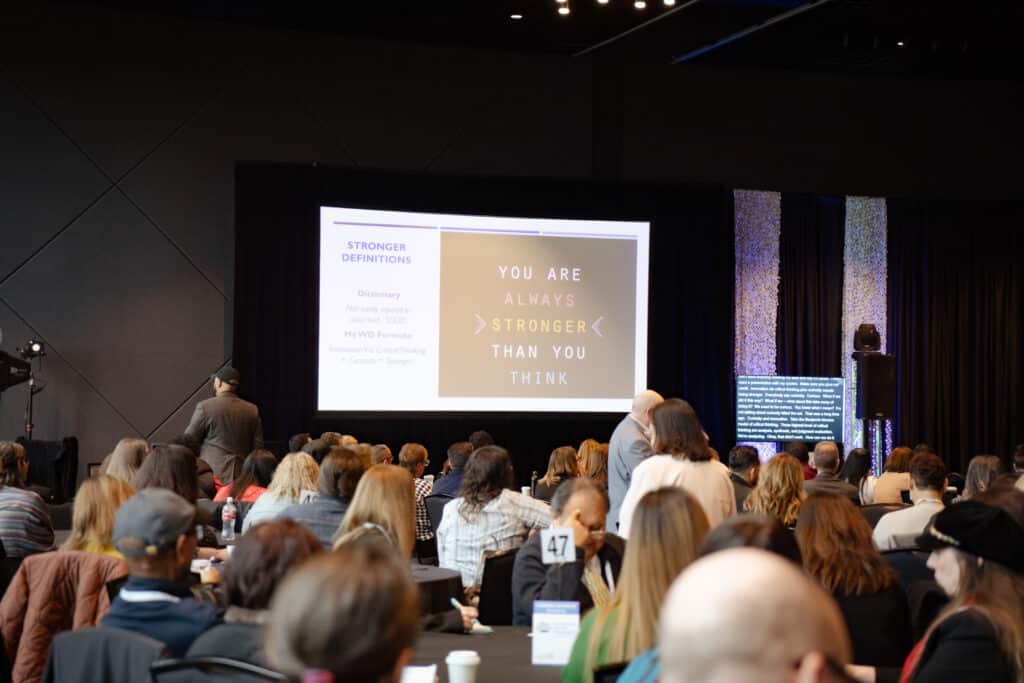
715	631
826	456
643	403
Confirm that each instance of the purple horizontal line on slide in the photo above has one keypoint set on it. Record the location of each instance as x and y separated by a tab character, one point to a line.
507	232
387	225
590	234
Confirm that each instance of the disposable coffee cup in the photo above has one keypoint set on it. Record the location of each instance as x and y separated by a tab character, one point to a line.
462	665
525	490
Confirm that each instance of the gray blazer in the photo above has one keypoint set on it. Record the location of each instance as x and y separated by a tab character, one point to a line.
229	429
627	448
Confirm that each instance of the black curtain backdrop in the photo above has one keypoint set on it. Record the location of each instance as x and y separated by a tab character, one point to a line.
276	274
956	325
808	335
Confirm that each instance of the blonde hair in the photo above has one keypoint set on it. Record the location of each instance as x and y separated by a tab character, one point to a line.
562	465
593	458
779	490
384	497
92	517
669	526
298	472
124	461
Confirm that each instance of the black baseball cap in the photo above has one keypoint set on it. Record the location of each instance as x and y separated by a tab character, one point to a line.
228	376
150	521
978	529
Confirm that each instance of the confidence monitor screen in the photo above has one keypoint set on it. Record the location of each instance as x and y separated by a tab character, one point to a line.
789	408
445	312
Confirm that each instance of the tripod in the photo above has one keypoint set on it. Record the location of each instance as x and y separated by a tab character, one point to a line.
33	389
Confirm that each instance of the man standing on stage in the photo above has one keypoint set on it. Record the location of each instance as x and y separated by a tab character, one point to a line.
629	445
227	427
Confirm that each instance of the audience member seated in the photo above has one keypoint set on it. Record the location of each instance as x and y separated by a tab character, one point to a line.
593	460
900	529
889	488
669	526
799	450
349	616
260	561
126	458
982	472
580	504
977	554
825	459
451	483
780	490
297	441
25	526
744	467
317	449
413	457
486	516
332	439
856	470
479	439
92	517
208	481
348	440
835	541
754	530
294	482
339	475
1018	459
155	531
381	454
737	631
683	459
562	466
252	482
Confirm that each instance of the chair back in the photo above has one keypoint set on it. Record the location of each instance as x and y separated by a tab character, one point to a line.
496	588
435	509
211	669
108	654
873	513
609	673
910	564
8	568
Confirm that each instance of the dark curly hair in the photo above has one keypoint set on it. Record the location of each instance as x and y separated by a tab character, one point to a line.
488	471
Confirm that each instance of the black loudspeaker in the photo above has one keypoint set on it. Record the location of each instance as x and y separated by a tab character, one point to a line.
876	386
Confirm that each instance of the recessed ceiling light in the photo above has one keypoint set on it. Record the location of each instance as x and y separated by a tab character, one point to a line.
640	4
669	3
899	43
602	2
515	17
563	10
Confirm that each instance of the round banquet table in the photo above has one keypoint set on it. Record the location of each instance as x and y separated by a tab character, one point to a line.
437	587
504	656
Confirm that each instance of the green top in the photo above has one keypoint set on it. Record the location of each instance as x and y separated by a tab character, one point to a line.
575	671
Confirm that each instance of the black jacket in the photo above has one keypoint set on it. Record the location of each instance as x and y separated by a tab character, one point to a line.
879	626
533	580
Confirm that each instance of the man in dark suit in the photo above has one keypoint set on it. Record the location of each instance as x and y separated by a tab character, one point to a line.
629	446
581	505
744	466
826	461
227	427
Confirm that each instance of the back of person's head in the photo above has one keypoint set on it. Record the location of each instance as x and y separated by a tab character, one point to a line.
562	465
826	456
13	463
856	466
923	448
126	458
172	468
155	532
835	541
317	449
593	458
188	441
799	450
480	438
380	454
571	487
768	627
928	472
93	511
297	441
348	440
261	559
385	498
353	613
411	456
340	473
677	430
753	530
332	439
458	454
257	470
899	459
981	473
1018	458
363	450
742	458
488	472
645	401
296	473
780	489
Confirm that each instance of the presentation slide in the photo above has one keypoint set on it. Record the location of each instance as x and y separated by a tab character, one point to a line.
445	312
789	408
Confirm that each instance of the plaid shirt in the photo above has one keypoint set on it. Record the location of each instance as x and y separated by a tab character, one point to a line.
421	489
503	524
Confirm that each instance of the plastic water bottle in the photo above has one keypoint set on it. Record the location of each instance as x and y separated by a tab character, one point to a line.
227	518
533	484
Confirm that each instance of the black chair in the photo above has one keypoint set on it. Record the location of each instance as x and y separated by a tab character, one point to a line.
60	515
609	673
53	465
873	513
212	669
910	564
8	568
101	654
435	509
925	600
496	588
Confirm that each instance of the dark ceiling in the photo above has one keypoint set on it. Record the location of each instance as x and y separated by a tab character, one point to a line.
963	39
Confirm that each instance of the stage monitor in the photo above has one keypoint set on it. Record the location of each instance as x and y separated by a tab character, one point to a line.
428	312
789	408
